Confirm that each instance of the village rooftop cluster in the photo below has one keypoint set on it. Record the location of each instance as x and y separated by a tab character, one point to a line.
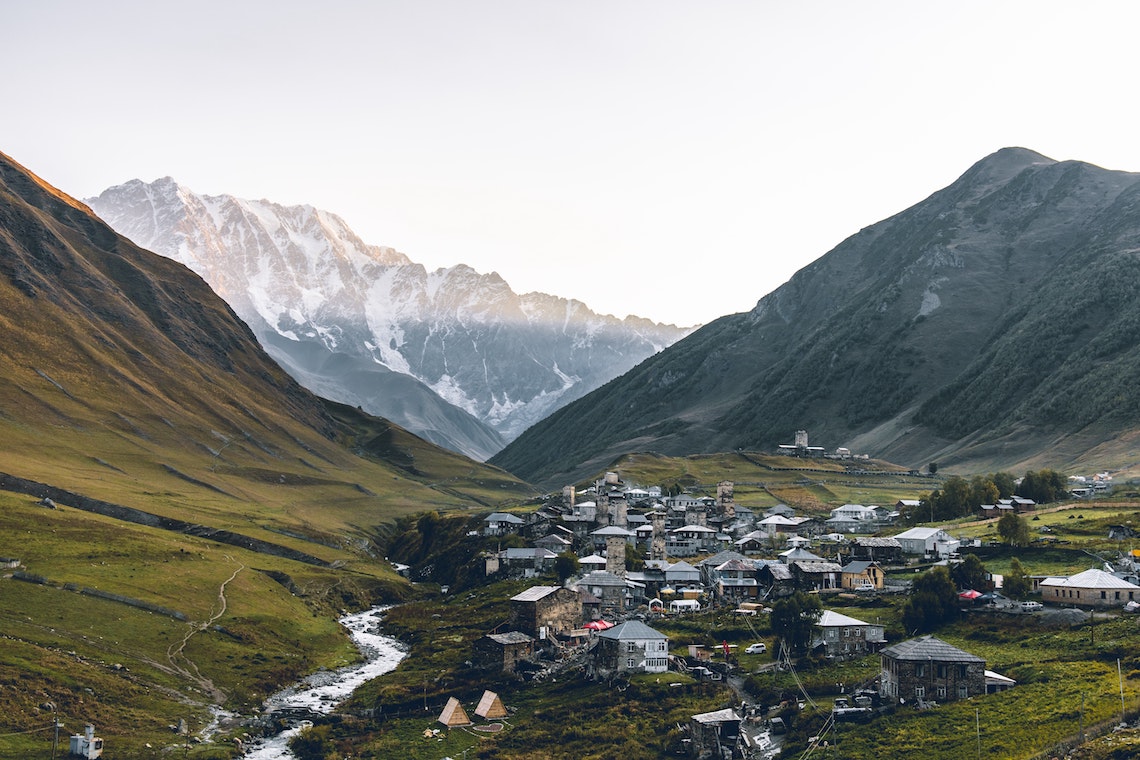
704	551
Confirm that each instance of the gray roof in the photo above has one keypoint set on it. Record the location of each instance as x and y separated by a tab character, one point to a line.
503	517
817	566
600	578
720	558
510	637
929	648
527	552
611	530
858	566
631	629
728	715
534	593
780	572
874	541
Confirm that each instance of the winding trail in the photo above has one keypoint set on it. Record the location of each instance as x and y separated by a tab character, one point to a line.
176	653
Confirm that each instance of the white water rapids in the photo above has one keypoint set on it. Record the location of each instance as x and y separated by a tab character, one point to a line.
321	692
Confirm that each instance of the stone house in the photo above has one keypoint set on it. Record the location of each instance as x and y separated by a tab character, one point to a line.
927	668
502	651
543	611
614	593
811	576
841	636
501	523
632	647
714	734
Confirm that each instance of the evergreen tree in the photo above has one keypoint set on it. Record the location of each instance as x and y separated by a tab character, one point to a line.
970	573
933	601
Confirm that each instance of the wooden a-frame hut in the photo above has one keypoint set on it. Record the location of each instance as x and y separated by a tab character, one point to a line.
453	714
490	706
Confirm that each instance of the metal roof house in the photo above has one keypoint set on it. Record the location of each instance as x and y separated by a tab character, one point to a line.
1092	588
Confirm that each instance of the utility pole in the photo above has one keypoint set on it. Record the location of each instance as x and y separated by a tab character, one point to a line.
978	730
1121	679
56	726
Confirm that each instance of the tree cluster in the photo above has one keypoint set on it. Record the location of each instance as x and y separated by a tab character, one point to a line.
1043	486
959	497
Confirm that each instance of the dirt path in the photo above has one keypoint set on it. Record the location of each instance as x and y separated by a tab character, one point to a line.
176	653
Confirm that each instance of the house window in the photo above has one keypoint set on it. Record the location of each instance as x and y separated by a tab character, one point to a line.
1103	595
920	670
942	692
629	663
963	691
961	671
942	672
919	692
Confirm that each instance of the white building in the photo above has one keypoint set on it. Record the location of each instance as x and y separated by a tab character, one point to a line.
87	744
928	542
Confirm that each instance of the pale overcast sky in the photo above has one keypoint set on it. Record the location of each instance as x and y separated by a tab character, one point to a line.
675	160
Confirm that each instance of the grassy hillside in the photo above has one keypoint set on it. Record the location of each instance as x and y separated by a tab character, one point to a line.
763	480
212	519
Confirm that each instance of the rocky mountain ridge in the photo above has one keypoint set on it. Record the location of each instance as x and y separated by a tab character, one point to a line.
990	325
365	325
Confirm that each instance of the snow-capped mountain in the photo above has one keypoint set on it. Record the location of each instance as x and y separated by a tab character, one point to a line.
354	322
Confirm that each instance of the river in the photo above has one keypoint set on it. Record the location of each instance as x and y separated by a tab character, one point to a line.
322	692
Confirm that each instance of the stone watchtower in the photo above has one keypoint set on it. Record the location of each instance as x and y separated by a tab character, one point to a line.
615	555
725	504
657	541
616	539
602	497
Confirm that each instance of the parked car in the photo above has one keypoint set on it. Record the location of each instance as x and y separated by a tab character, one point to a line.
758	648
1030	606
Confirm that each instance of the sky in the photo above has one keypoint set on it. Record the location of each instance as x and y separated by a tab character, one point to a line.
673	160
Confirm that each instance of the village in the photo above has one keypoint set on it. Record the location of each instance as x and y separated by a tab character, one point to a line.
633	559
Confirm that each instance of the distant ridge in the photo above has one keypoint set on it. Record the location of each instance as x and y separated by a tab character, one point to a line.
994	324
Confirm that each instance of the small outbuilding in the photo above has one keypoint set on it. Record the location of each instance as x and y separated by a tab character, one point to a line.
453	715
714	734
490	706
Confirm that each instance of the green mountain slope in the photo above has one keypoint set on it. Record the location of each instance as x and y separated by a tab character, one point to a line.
206	519
125	377
986	326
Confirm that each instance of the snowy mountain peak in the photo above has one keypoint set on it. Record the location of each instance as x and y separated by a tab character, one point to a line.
305	282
